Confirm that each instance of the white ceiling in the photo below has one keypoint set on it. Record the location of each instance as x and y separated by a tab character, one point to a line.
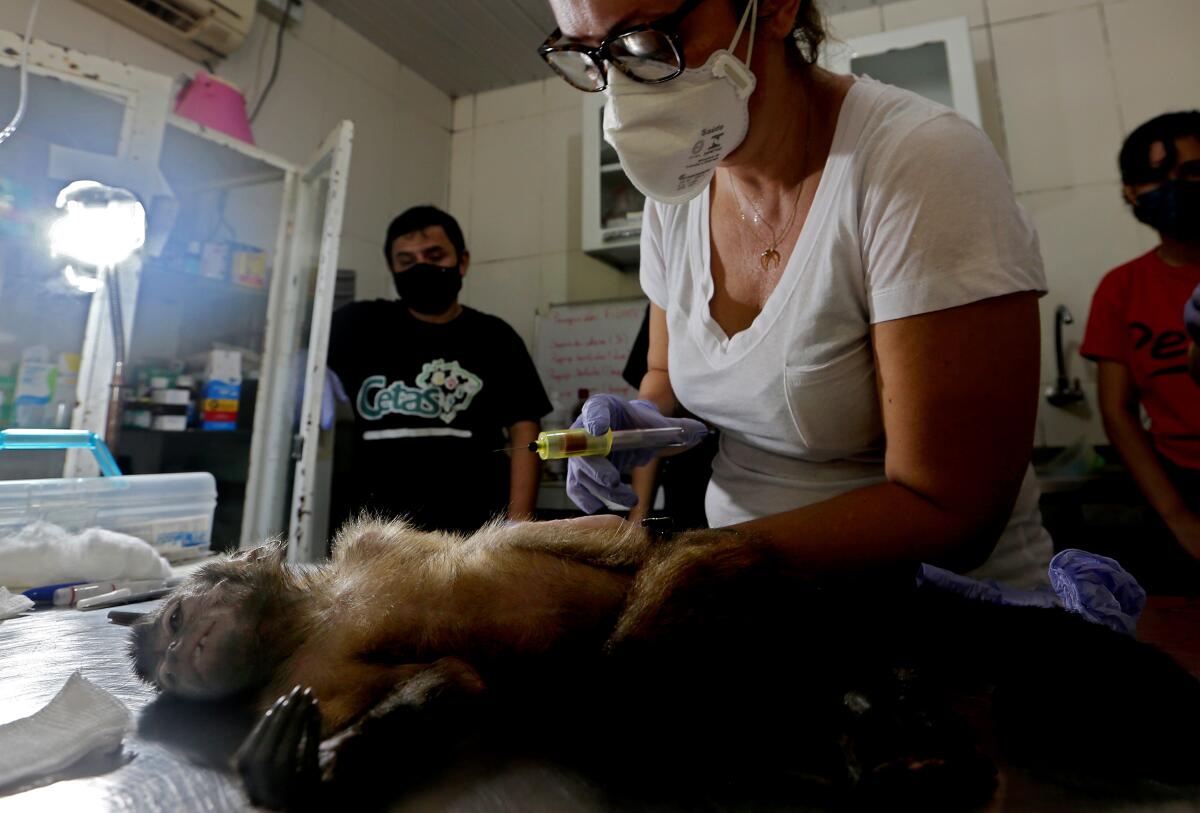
467	46
462	46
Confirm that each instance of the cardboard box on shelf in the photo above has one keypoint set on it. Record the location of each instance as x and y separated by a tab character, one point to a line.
249	267
223	385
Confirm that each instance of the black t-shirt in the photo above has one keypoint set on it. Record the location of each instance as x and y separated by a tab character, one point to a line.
431	403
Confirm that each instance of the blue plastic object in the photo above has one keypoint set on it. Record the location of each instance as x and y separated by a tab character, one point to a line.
62	439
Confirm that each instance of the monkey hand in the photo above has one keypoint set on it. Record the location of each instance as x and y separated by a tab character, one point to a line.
278	761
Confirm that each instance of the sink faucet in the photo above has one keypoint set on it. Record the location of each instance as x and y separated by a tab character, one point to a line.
1063	393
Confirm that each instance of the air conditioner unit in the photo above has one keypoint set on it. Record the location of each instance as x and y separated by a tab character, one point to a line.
198	29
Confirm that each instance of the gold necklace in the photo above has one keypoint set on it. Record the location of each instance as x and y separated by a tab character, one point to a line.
769	257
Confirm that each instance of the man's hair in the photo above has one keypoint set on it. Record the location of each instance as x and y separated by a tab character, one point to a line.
419	218
1135	152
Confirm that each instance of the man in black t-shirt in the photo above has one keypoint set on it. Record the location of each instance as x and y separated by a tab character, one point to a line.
434	386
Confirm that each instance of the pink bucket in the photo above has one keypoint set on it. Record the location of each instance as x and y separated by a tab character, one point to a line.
216	104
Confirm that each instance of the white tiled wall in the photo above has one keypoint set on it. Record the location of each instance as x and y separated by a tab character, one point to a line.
1155	58
515	181
1059	102
1075	77
402	123
1061	83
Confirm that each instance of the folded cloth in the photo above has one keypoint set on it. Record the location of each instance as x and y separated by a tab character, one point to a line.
13	605
43	553
1093	586
81	719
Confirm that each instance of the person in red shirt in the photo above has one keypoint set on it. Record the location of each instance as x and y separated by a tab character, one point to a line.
1137	335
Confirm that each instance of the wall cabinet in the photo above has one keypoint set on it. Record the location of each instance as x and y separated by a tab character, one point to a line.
612	205
933	60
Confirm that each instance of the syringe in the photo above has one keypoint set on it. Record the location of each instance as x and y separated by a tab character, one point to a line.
560	443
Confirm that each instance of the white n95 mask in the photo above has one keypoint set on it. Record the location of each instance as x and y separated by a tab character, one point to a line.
671	136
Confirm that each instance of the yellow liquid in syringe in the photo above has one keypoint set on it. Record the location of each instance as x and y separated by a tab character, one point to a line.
560	443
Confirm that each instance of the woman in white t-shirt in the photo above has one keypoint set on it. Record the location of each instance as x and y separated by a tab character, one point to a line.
841	281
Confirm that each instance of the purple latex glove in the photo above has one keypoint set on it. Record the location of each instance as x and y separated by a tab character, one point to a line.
332	392
1088	584
593	480
1097	588
1191	315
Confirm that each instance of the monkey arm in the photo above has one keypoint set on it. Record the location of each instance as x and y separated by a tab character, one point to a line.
625	546
283	767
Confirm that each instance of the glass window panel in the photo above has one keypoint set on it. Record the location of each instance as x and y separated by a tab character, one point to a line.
42	318
203	302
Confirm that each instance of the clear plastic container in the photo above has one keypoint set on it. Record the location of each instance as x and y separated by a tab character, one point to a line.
173	512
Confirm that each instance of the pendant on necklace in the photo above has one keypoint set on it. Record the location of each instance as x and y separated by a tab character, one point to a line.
768	259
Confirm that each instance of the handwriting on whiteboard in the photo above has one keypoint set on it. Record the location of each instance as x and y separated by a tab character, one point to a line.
586	346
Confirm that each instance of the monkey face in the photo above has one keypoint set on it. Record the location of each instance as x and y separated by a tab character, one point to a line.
203	643
207	646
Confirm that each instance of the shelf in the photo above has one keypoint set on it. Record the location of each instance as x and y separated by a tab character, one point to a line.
197	284
241	434
195	157
611	167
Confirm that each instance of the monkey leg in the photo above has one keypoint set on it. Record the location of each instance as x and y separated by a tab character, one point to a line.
688	579
904	748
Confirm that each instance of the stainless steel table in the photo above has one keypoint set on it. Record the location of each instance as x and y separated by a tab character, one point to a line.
176	760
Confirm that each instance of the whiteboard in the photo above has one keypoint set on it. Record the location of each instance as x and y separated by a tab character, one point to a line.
585	346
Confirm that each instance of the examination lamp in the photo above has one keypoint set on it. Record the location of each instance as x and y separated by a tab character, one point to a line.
98	228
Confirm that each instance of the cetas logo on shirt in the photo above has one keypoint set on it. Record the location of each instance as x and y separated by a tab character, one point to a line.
442	390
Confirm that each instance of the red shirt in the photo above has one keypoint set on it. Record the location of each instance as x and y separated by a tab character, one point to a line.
1137	320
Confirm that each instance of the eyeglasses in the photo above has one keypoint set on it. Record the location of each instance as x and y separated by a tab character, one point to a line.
648	53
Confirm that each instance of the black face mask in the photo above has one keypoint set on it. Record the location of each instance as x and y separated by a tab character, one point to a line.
1173	209
427	288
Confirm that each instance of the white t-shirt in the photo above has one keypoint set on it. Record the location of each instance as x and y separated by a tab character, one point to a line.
914	213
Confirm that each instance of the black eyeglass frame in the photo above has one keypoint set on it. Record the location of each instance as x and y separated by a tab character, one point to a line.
668	26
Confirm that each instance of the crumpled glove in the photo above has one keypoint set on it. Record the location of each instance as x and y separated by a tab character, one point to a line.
1087	584
331	393
593	482
1097	588
1191	315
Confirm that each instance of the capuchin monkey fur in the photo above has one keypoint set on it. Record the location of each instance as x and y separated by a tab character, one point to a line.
695	664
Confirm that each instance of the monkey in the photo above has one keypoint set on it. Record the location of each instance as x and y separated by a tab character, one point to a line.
656	654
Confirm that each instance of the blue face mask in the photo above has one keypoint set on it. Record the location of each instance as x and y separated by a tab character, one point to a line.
1173	209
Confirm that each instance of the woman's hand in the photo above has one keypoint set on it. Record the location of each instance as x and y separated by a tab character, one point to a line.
594	481
1191	315
1187	532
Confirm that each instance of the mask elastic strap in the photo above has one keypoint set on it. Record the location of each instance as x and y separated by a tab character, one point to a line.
752	12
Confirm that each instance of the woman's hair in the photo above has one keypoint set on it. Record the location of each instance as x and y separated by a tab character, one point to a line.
809	31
